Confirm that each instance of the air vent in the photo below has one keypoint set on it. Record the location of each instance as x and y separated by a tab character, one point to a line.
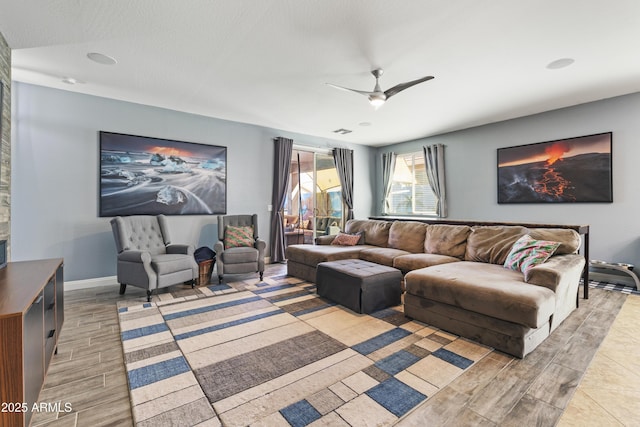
342	131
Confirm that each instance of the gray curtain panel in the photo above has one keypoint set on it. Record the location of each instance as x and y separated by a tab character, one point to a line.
388	166
434	159
281	169
343	158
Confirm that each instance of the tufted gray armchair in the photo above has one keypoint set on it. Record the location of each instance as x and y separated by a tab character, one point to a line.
237	260
147	258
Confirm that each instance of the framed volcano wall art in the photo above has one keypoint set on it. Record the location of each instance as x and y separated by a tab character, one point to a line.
573	170
149	176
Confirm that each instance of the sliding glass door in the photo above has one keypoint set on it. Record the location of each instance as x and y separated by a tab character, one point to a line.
314	204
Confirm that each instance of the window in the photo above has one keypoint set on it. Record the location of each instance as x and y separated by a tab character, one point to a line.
411	193
314	198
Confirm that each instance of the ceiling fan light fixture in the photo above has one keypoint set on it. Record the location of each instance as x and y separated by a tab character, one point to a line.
377	97
377	100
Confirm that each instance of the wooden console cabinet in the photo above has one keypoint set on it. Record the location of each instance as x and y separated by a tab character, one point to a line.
31	316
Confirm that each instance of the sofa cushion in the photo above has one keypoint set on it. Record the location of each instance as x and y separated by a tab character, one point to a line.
407	236
313	254
410	262
240	255
444	239
483	288
492	243
376	233
383	256
570	240
327	240
166	264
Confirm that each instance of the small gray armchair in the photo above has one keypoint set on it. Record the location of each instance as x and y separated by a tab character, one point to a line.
147	258
244	259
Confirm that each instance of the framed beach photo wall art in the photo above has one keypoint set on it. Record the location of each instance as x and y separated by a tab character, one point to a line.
572	170
141	175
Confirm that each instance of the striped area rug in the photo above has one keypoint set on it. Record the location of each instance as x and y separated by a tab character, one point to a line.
277	354
630	290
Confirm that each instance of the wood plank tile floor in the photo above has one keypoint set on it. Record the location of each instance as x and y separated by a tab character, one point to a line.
88	371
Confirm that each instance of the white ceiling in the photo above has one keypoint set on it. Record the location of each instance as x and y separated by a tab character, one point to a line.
266	62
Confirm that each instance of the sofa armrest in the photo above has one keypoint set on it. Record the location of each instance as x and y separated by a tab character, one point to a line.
260	245
142	257
551	273
218	247
325	240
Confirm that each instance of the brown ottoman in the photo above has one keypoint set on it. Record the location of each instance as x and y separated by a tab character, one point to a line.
362	286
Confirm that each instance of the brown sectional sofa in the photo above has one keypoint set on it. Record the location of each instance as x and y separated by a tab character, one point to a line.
384	242
455	279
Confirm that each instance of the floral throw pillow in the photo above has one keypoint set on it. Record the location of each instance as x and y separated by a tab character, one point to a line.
237	237
344	239
526	253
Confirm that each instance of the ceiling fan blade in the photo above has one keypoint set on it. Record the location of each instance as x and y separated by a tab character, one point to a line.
361	92
402	86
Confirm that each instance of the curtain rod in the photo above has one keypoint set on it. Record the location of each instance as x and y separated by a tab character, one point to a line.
312	149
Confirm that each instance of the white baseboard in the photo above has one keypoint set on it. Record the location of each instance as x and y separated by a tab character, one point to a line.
90	283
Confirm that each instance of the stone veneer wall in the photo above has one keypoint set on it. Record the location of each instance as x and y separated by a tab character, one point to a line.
5	145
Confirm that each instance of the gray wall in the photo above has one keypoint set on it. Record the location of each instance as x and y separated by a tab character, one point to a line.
55	173
471	173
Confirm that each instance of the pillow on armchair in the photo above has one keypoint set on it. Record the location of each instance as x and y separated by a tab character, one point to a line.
237	237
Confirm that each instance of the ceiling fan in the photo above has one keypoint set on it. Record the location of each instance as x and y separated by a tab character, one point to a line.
378	97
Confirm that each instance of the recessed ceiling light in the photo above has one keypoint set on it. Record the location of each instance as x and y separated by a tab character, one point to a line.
560	63
365	123
69	80
101	58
